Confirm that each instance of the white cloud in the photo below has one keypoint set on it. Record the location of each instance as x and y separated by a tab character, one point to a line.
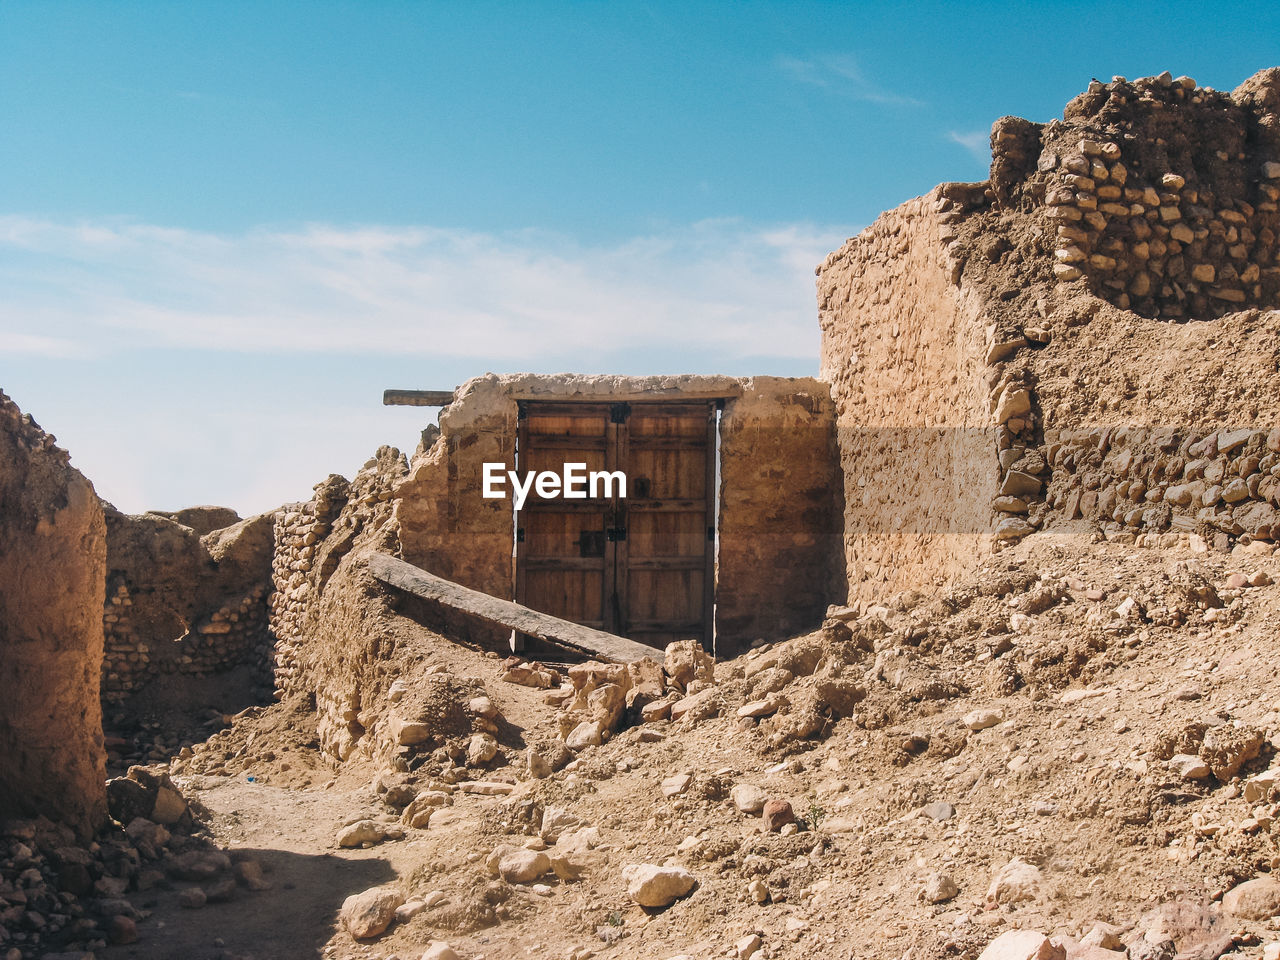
842	74
182	367
721	285
977	142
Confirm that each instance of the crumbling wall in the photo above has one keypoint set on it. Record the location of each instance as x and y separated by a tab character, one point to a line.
903	347
182	603
780	551
1045	297
52	561
311	540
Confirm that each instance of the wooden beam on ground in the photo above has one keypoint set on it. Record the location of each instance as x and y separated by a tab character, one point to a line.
417	398
505	613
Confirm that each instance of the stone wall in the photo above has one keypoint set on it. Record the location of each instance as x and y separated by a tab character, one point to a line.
779	559
52	561
1161	195
1002	355
311	540
182	603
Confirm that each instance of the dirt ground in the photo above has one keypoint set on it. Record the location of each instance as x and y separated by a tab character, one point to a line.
1094	695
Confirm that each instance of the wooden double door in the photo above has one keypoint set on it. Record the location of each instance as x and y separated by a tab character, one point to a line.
641	566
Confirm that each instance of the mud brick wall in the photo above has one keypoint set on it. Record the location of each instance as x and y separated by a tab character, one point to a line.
904	346
52	562
181	603
781	520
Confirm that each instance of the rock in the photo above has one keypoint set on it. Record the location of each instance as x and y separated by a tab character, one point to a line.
758	890
481	749
1188	767
586	734
1013	528
1023	945
1257	899
656	886
686	661
939	888
192	898
1015	882
487	788
248	874
566	868
555	821
369	913
122	930
482	706
169	806
222	890
777	814
523	866
676	784
746	946
1227	748
418	813
1103	935
983	718
749	799
763	708
939	810
698	706
439	950
1259	789
359	833
199	865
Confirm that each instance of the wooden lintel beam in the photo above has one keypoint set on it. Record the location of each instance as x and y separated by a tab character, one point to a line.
504	613
417	398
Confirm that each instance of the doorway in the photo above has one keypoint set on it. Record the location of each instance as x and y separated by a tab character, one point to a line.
640	565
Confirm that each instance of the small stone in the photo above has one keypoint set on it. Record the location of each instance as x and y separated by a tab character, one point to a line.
983	718
656	886
481	748
758	890
749	799
1015	882
524	866
777	814
369	913
748	945
1189	767
439	950
192	898
586	734
1227	748
359	833
248	874
122	930
676	784
1103	936
939	888
1023	945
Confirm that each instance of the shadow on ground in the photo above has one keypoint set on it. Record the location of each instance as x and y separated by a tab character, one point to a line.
291	921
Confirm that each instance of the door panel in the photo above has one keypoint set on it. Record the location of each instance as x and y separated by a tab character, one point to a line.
640	566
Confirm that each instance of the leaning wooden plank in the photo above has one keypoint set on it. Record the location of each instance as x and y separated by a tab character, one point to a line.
417	398
504	613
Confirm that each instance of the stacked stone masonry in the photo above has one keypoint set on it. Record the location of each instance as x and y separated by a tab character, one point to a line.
311	539
1161	196
180	602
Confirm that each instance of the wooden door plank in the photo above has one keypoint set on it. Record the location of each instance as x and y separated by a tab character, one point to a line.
420	583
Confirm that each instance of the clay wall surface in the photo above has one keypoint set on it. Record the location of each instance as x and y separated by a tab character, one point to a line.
903	348
182	603
780	551
52	562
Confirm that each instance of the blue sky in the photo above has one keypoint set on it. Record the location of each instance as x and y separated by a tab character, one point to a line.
225	227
